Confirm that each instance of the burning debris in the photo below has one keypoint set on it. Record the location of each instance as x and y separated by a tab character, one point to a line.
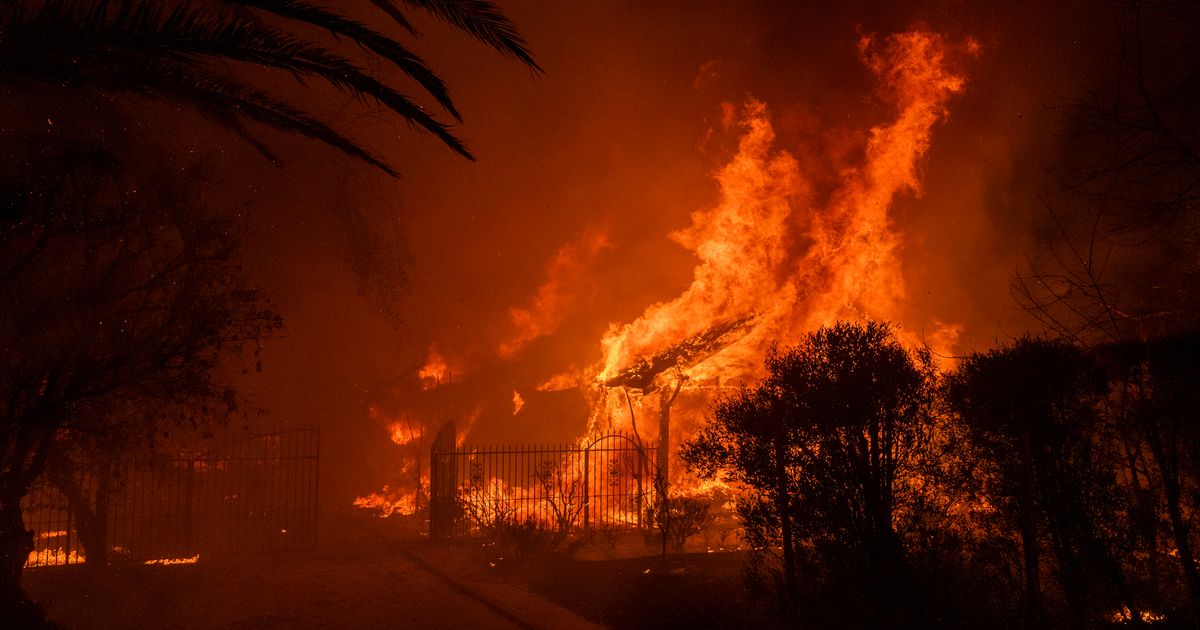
644	372
390	501
162	562
648	375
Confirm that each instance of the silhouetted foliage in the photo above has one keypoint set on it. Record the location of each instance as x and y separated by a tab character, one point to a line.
120	298
826	446
117	285
1117	272
1169	426
671	520
563	489
1031	409
1154	398
181	52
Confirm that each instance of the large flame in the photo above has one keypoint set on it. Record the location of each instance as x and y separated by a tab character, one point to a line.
409	433
770	255
779	255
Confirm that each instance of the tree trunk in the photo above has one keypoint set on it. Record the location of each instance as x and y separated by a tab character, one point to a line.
16	543
1069	569
99	533
782	504
91	513
664	430
1168	467
21	468
664	525
1179	530
1034	617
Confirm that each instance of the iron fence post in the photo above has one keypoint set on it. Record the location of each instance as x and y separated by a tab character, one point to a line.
189	513
641	471
587	490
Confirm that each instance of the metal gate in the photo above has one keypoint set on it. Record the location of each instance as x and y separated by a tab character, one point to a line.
258	493
604	483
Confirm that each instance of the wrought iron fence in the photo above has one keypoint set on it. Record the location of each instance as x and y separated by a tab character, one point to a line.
604	483
258	493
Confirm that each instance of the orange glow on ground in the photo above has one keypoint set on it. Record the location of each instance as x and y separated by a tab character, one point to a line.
170	561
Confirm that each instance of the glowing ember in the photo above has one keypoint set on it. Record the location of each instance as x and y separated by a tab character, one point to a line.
1126	616
518	402
167	561
53	558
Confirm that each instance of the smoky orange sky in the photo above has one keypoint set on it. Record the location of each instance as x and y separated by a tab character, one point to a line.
518	263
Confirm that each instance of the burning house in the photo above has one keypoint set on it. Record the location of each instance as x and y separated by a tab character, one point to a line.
778	254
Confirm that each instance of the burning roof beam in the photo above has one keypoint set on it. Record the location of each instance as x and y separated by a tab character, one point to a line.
684	354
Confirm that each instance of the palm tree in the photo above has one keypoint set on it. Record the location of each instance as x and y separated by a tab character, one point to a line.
201	54
179	52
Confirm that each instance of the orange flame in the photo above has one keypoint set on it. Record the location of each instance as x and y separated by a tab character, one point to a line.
389	501
554	297
436	370
402	434
769	249
53	557
559	382
468	424
169	561
774	256
401	429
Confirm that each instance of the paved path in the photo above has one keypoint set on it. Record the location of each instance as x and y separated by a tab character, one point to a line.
371	586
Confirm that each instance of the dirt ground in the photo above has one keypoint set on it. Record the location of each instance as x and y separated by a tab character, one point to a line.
368	573
691	590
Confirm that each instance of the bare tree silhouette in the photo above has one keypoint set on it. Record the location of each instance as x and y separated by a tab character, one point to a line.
115	290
